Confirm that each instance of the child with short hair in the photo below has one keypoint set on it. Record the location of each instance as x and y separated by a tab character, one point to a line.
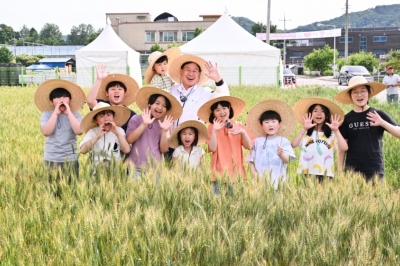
149	139
105	138
319	136
227	138
186	140
157	72
60	100
271	122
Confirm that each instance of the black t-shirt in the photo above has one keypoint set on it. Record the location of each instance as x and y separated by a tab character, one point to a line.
125	126
365	153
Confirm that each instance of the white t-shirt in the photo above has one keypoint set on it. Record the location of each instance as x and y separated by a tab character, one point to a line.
193	158
317	154
389	80
106	148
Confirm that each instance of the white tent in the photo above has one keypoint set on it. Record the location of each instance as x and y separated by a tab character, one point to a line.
242	58
109	49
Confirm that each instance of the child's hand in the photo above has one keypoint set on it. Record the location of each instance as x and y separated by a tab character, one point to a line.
280	151
218	124
114	128
101	71
67	109
101	131
236	130
146	116
308	121
375	119
167	123
57	110
334	125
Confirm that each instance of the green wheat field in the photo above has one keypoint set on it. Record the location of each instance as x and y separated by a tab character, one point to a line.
113	220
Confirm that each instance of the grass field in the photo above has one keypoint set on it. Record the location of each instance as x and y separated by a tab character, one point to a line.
113	220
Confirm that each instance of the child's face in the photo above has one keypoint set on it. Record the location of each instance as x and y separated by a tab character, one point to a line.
271	127
116	95
359	96
187	136
64	100
161	68
318	115
190	75
105	119
221	113
158	108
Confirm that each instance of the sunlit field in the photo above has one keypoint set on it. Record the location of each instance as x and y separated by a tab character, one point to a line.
177	220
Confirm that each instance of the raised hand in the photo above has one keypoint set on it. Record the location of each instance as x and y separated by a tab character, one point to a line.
101	131
146	116
236	130
218	124
335	122
213	72
375	119
114	128
67	109
101	71
308	121
167	123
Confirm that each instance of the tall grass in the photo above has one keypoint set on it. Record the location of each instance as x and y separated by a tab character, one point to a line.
110	219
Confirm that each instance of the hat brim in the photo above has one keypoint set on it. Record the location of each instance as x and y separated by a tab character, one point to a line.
172	53
201	128
344	96
131	88
285	111
42	100
121	115
301	107
143	95
175	68
238	105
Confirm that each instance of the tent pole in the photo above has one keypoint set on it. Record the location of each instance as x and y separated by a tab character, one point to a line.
92	75
240	75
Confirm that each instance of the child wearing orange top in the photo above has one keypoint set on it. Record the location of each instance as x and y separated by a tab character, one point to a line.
227	138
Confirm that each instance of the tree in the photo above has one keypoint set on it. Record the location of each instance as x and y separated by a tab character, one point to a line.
197	32
27	60
81	35
368	60
156	47
319	59
393	59
6	34
6	56
174	44
51	35
259	27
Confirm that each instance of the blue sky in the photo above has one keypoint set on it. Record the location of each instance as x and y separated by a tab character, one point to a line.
69	13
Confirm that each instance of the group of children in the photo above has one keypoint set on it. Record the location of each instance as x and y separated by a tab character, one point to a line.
113	131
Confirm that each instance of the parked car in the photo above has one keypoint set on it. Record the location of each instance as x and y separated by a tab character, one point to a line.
288	77
347	72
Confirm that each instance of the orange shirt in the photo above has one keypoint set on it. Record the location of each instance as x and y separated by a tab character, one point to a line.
228	158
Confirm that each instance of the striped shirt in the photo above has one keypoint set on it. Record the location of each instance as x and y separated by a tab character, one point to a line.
163	82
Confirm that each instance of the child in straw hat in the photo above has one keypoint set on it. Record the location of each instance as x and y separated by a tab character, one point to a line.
60	101
185	139
363	129
148	132
271	122
226	137
319	136
104	136
157	72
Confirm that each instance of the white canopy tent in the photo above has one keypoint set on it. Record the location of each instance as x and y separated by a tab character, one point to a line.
242	58
109	49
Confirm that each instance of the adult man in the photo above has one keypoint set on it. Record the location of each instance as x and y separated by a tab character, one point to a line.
392	82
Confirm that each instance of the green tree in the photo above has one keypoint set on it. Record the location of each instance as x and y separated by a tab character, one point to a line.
259	27
198	31
81	35
393	59
319	59
34	35
27	60
368	60
6	56
6	34
156	47
174	44
51	35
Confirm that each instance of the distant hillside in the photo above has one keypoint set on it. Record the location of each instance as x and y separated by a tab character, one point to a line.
380	16
244	22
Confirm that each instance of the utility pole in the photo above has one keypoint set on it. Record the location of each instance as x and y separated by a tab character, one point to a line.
268	30
346	34
284	41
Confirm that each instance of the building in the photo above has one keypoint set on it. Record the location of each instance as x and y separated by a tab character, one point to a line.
379	41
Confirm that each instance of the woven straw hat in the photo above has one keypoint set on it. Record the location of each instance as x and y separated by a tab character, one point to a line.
238	105
201	128
175	68
121	115
288	122
344	97
143	95
42	94
172	53
301	107
130	84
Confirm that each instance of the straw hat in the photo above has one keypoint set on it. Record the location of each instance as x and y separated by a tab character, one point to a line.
143	95
172	53
301	107
201	128
175	68
288	122
42	94
121	115
356	81
130	84
238	105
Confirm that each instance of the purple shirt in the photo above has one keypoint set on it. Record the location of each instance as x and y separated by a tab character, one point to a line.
146	148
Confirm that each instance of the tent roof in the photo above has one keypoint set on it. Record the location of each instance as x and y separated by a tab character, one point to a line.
225	36
108	40
56	60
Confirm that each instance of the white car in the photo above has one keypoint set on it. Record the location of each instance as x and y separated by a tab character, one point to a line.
347	72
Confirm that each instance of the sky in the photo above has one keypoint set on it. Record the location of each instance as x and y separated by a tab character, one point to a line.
68	13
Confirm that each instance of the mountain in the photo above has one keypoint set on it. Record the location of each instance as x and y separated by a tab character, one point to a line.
380	16
244	22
